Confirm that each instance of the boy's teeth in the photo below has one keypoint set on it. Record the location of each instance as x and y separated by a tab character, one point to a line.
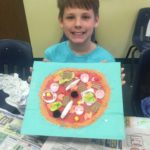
78	33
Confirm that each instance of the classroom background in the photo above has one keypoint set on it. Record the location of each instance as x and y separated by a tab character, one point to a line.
117	20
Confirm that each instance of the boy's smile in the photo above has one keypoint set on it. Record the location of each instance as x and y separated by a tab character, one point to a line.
78	24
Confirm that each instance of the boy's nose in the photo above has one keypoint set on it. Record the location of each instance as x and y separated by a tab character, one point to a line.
78	22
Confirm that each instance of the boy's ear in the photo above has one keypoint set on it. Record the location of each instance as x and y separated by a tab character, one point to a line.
96	21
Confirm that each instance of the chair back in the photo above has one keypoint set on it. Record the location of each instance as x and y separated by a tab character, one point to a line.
141	85
139	38
15	57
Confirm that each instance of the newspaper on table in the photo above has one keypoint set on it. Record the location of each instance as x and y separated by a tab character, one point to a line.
137	138
137	134
10	137
80	144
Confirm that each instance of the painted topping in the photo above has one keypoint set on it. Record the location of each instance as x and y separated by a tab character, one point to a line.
79	110
82	86
66	109
66	100
54	87
80	102
88	115
76	118
74	94
60	96
66	76
56	114
86	91
49	97
96	85
72	110
89	98
95	107
84	77
72	84
100	94
55	106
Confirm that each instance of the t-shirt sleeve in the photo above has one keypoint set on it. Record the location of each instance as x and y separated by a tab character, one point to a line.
106	55
110	58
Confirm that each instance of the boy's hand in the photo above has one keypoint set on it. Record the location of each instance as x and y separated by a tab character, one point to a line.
31	70
29	78
104	61
123	76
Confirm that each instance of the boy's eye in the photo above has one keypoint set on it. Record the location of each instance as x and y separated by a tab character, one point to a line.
86	17
70	17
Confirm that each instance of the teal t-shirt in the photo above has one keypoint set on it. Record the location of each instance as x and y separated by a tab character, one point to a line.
61	52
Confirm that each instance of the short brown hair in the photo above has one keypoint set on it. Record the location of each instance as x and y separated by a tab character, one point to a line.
87	4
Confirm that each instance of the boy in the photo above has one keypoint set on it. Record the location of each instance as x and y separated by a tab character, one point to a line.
78	19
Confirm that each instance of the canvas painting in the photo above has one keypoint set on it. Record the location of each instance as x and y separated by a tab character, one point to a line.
82	100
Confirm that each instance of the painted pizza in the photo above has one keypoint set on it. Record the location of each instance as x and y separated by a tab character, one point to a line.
74	97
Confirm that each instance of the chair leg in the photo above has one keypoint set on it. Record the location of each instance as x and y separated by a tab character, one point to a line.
1	68
132	66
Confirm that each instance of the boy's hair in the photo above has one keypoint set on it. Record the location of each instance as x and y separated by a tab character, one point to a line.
87	4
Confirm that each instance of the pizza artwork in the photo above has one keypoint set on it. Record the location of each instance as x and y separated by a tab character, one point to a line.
74	97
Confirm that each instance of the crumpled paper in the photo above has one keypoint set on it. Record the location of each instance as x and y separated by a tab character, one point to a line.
145	105
16	88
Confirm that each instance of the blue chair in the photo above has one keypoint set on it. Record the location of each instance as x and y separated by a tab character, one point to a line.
141	83
15	56
140	42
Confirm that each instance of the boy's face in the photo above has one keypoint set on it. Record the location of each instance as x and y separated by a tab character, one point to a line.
78	24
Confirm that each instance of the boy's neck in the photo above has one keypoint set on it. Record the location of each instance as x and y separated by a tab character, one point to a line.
81	49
